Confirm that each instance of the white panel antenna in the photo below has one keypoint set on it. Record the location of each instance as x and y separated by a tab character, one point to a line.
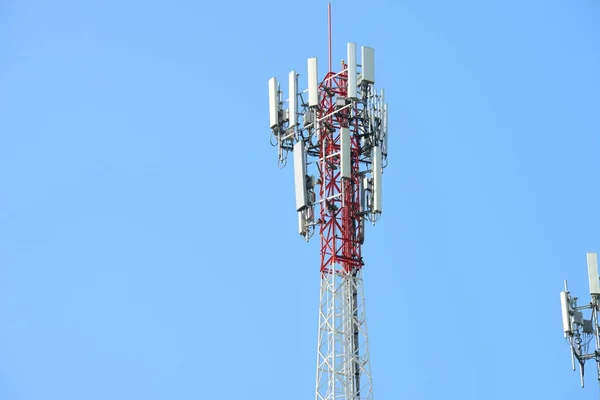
362	209
566	317
592	263
300	176
364	185
313	83
345	165
385	129
368	64
352	70
293	99
380	106
273	103
377	170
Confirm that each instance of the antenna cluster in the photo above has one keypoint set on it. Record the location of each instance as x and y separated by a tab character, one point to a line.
302	123
582	333
337	132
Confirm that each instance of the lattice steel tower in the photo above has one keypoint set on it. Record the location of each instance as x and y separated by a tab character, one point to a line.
337	129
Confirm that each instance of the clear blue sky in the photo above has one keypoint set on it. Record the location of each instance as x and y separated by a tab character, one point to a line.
148	245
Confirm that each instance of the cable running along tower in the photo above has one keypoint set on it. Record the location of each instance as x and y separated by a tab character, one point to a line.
336	130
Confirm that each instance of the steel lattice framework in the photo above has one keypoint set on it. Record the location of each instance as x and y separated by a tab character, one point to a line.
341	367
341	134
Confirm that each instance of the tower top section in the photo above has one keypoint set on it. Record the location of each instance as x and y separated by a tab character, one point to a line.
337	129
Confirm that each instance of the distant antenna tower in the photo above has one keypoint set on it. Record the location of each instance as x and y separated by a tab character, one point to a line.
337	129
581	333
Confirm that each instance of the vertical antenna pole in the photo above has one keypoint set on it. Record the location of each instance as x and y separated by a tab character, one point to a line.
596	332
329	29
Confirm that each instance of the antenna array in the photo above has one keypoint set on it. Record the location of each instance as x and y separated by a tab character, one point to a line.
583	334
340	122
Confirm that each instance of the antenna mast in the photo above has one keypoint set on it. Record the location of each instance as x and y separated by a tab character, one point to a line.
329	31
337	130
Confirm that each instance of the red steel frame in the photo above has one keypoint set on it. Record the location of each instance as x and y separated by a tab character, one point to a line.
340	216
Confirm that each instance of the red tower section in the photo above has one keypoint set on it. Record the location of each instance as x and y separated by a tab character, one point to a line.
340	212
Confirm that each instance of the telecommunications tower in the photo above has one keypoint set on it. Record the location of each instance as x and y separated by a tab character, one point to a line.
336	130
583	334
